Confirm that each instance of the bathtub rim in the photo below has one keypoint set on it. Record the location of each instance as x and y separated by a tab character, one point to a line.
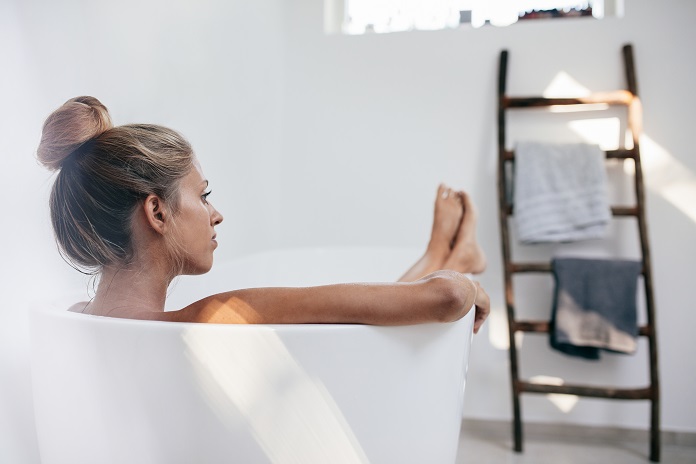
60	311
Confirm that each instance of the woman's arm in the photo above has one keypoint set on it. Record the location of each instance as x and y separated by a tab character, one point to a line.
443	296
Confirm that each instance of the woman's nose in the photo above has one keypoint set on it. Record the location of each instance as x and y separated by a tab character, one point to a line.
216	218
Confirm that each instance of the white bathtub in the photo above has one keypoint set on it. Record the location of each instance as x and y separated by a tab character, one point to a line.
119	391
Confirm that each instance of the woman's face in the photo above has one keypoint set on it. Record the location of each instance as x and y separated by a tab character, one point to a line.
195	222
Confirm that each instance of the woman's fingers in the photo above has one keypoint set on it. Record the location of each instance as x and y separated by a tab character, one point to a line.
483	307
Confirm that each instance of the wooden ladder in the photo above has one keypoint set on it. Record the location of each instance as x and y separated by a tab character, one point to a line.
628	98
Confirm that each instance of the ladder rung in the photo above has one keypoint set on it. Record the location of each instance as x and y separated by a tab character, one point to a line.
537	267
618	97
624	211
543	327
645	393
531	326
615	210
622	153
529	267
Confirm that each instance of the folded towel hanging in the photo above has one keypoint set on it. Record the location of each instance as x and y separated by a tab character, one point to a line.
560	192
594	306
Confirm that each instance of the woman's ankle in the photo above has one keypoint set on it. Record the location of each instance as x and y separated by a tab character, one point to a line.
437	252
467	257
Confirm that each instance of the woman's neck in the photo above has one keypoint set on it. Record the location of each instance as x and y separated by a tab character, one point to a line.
124	291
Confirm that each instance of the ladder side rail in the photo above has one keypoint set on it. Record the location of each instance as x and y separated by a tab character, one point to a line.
635	126
505	245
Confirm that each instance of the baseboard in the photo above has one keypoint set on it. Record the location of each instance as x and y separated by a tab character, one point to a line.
585	433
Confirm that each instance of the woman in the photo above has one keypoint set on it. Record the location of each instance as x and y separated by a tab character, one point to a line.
131	203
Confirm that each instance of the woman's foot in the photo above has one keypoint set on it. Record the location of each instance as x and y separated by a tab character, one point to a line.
447	218
467	255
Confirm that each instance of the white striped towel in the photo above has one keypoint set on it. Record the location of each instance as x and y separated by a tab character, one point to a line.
560	192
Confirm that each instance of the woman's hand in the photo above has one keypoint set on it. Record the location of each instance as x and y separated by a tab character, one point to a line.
483	306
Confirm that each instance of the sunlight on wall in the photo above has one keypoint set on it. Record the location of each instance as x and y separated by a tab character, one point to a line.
663	173
604	132
498	330
293	417
564	403
668	177
564	86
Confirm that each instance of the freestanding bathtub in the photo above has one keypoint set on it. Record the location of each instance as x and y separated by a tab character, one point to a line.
120	391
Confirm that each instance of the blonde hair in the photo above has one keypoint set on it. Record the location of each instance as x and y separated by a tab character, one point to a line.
104	174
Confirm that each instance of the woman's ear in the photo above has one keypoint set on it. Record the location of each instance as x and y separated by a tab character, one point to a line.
156	213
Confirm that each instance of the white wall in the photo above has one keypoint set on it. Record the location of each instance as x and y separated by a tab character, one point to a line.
315	140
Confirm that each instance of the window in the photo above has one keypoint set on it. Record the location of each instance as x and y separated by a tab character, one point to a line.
380	16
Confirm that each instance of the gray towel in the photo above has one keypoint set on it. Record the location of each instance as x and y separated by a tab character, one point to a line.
560	192
594	306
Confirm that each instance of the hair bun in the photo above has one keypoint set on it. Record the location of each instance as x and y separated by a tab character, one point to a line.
67	128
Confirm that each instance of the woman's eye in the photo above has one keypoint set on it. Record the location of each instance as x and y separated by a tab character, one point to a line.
205	196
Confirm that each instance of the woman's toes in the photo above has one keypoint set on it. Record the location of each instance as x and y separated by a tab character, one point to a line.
446	218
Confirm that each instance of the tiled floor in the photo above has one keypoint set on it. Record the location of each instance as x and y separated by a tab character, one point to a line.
491	442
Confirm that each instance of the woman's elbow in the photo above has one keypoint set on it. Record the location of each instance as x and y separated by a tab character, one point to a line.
455	295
